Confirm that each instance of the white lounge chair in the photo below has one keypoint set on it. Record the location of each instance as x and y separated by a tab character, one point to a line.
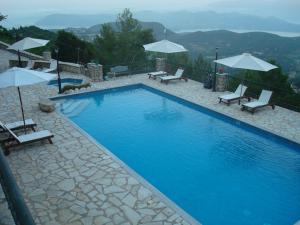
157	74
30	65
15	140
263	100
237	95
52	68
177	76
29	124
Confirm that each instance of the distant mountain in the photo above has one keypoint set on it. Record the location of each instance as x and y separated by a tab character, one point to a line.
58	21
183	20
90	33
180	20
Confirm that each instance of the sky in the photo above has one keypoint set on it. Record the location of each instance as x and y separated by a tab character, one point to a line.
32	10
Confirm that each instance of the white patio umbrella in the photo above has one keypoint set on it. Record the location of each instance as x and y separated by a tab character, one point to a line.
16	77
164	46
27	43
246	61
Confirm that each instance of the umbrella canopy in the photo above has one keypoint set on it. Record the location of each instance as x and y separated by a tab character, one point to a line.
246	61
28	43
16	77
19	77
164	46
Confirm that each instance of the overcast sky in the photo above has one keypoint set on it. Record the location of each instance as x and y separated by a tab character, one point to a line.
285	9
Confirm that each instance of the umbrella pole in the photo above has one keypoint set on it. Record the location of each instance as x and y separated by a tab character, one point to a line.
22	109
215	74
19	58
242	82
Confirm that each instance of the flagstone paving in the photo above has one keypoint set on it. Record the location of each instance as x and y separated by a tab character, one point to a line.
75	181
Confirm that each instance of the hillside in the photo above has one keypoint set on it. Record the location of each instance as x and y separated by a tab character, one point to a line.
90	33
284	50
180	20
14	34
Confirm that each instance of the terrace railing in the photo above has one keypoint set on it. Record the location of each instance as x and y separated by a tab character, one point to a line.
15	200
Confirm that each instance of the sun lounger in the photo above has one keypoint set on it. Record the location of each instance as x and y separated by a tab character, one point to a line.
157	74
25	138
29	124
263	101
52	68
30	65
237	95
177	76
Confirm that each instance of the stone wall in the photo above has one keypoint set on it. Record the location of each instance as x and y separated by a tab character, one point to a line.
71	67
41	64
37	63
94	72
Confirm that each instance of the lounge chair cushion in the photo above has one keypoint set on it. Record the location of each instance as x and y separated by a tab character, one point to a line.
170	77
229	96
254	104
241	89
19	124
263	100
33	136
265	96
177	75
239	92
158	73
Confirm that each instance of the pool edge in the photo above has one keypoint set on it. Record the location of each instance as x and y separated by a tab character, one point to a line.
272	132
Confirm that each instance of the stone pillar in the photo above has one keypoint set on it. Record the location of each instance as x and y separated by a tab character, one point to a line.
47	55
161	64
100	72
221	81
95	72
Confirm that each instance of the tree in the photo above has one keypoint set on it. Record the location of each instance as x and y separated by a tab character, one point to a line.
131	38
2	17
201	69
68	45
124	44
106	45
5	36
296	81
126	23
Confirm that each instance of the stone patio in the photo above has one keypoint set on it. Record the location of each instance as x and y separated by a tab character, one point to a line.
76	181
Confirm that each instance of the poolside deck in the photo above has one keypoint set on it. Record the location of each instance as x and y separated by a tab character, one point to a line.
75	181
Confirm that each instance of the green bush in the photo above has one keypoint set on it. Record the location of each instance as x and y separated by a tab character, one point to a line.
73	87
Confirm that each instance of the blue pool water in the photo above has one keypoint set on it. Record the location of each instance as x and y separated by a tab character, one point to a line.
217	169
66	81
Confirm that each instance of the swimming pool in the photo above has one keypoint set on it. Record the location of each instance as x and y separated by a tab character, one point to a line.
219	170
66	81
